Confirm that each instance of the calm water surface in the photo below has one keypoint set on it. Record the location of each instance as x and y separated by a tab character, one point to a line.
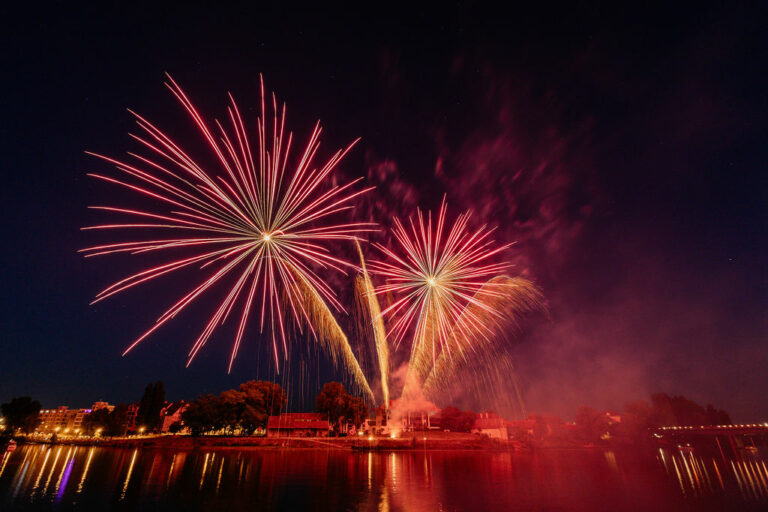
36	477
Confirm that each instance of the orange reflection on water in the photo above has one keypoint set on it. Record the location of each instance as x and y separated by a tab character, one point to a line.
205	466
128	475
40	473
53	467
6	456
85	471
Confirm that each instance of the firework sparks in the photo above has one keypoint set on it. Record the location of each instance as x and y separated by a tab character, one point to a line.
511	298
259	222
365	292
447	292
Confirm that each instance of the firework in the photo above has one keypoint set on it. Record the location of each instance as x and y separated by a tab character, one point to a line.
260	222
509	299
448	294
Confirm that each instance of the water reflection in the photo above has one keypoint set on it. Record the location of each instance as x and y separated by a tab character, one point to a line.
333	479
701	475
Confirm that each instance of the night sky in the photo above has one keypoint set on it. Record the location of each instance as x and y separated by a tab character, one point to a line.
623	150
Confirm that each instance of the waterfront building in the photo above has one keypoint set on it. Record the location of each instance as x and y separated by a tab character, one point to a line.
298	424
492	425
62	420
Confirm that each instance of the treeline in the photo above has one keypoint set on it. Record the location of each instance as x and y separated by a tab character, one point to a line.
245	410
630	425
21	413
241	410
637	417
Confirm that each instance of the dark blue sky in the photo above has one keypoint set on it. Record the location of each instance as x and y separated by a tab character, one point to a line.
624	149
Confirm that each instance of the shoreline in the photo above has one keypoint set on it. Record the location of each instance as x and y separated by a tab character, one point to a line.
410	443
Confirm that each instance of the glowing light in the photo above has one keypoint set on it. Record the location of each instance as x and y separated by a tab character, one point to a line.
262	220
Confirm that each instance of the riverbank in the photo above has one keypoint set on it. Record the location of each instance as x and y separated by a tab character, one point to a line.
430	441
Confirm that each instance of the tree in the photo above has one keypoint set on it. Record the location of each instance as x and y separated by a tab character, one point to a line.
21	413
97	420
247	408
679	410
591	423
261	399
118	421
152	402
357	411
273	397
334	401
455	420
717	416
203	414
636	419
114	423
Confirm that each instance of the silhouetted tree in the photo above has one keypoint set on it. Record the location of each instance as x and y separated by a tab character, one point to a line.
152	402
717	416
678	410
98	419
591	423
455	420
203	414
635	422
21	413
339	406
261	399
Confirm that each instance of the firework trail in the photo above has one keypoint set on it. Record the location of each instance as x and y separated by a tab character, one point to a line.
330	335
260	223
365	292
448	295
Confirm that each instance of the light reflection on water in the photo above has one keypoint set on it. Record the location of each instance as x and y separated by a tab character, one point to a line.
89	478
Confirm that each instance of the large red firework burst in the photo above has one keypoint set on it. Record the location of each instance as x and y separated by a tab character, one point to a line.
434	276
259	221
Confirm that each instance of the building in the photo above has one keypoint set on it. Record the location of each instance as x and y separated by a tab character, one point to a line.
171	414
130	417
298	424
492	425
62	420
102	405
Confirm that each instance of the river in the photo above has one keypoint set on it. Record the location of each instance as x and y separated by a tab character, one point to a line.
41	477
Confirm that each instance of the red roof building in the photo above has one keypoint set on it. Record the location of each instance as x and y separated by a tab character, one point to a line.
298	424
